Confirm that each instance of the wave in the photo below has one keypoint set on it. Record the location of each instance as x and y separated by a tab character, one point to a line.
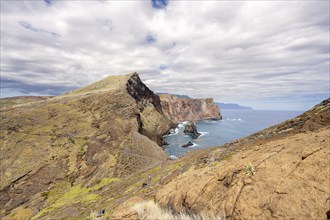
173	157
233	119
194	145
172	132
210	121
203	133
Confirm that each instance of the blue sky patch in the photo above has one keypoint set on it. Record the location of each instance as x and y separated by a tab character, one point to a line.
48	2
159	4
34	29
163	67
150	39
28	26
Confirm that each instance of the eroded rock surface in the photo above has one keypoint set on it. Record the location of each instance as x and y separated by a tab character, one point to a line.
187	109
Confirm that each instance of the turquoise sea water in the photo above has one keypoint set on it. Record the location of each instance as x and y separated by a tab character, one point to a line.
235	124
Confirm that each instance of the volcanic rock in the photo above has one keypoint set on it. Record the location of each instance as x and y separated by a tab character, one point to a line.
191	129
187	144
188	109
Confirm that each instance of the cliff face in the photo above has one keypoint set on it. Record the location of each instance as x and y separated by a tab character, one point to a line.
186	109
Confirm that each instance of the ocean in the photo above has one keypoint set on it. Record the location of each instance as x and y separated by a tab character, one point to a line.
235	124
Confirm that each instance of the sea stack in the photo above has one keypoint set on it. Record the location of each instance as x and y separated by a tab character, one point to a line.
191	129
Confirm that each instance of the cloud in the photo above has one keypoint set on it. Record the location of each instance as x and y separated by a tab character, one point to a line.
259	53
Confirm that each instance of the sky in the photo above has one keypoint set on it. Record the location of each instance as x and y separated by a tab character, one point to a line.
263	54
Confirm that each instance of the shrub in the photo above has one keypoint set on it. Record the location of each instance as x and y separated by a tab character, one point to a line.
249	169
45	194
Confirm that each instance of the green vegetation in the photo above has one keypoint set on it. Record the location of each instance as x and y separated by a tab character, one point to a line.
45	194
103	182
76	194
249	169
228	156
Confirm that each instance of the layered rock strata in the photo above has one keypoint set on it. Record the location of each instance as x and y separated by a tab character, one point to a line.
188	109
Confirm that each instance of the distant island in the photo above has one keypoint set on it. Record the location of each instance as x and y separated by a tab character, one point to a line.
232	106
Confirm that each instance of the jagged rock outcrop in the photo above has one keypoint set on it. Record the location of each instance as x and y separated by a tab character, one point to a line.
77	140
191	129
186	109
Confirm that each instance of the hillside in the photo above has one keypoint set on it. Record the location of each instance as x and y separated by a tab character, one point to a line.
83	139
65	155
8	102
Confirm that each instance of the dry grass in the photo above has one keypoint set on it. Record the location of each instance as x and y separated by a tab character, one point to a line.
151	211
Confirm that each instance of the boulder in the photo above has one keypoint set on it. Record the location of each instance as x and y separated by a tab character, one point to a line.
187	144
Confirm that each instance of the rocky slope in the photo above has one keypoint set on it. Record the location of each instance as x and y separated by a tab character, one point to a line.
187	109
280	173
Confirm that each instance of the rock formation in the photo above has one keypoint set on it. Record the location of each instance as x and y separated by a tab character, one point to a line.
187	144
191	129
186	109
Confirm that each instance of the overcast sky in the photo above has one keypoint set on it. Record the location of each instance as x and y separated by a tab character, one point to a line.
268	55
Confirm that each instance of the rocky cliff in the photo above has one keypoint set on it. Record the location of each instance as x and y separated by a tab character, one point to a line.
187	109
